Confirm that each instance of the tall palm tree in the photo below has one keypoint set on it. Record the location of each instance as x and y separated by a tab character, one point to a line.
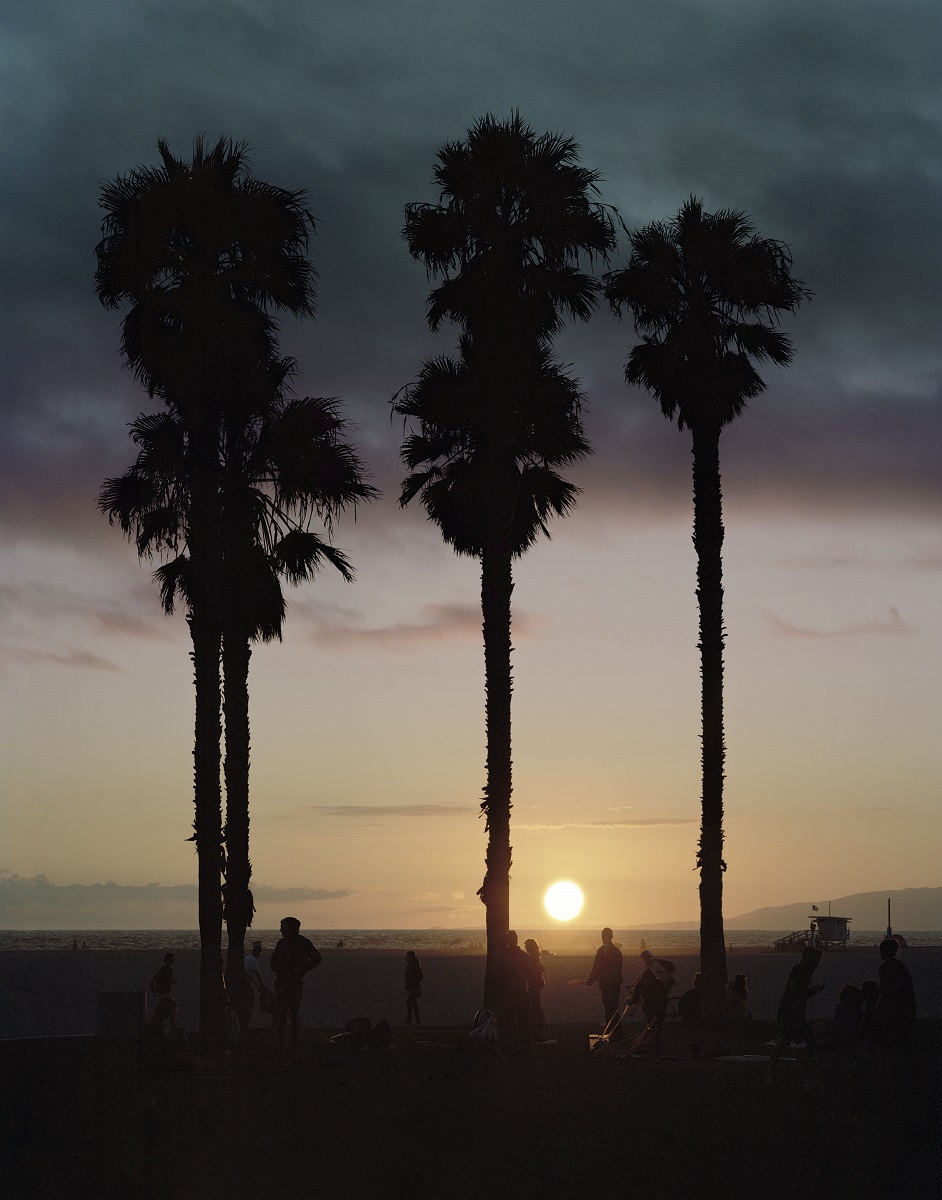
286	467
705	292
201	252
515	213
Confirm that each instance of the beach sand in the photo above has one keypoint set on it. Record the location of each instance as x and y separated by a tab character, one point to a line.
54	993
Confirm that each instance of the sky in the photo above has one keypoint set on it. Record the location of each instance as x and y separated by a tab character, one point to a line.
823	121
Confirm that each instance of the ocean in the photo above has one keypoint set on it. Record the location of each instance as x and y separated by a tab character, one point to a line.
450	941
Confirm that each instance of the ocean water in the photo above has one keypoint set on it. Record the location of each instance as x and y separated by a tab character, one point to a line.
467	941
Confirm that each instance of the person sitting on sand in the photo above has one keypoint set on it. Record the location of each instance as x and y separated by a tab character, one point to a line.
847	1019
607	973
291	959
414	979
793	1024
536	981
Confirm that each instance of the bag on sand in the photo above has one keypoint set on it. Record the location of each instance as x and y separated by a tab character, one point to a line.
484	1026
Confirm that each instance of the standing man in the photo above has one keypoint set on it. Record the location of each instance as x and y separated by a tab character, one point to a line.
253	980
896	1004
291	959
164	978
606	971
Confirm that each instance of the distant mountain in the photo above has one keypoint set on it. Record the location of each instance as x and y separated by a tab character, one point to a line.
913	910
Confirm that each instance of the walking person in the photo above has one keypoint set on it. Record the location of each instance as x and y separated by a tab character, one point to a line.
652	992
291	959
607	973
163	980
414	979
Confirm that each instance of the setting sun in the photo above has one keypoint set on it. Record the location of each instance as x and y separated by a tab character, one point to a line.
563	901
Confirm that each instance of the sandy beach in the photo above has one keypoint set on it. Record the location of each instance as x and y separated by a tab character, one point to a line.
54	993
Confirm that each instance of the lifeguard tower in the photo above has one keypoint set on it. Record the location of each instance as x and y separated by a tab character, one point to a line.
823	932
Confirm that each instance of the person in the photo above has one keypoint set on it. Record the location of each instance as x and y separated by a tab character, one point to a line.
847	1020
75	944
662	968
737	993
513	1008
652	993
414	979
690	1011
607	973
253	980
162	982
154	1041
895	1014
793	1024
536	981
870	991
291	959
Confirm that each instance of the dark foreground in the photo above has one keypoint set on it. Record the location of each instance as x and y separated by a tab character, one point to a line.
442	1121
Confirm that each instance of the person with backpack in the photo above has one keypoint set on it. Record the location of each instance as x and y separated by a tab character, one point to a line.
291	959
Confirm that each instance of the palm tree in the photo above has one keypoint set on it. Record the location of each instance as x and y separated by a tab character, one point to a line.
284	468
201	252
515	213
705	292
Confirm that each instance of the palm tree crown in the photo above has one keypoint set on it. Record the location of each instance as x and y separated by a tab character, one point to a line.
704	291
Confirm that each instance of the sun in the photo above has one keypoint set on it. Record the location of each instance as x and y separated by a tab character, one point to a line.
563	901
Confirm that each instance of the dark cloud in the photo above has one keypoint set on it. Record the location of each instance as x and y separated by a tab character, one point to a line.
891	623
810	117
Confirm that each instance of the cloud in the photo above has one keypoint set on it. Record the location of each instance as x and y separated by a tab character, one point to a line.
71	658
639	823
440	622
427	896
892	623
389	810
19	891
446	908
458	895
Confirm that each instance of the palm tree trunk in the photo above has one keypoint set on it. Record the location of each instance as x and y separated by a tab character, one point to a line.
207	824
708	542
496	590
238	908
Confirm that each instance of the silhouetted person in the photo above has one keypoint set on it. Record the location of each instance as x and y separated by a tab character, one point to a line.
870	990
155	1040
414	979
896	1005
607	973
291	959
513	1008
847	1019
737	995
652	993
75	945
536	981
690	1011
164	979
662	968
252	980
793	1024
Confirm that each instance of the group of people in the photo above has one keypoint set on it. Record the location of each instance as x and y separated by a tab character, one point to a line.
874	1013
520	978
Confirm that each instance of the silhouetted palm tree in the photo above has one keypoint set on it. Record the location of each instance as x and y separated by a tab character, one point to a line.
278	472
515	212
201	251
705	292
